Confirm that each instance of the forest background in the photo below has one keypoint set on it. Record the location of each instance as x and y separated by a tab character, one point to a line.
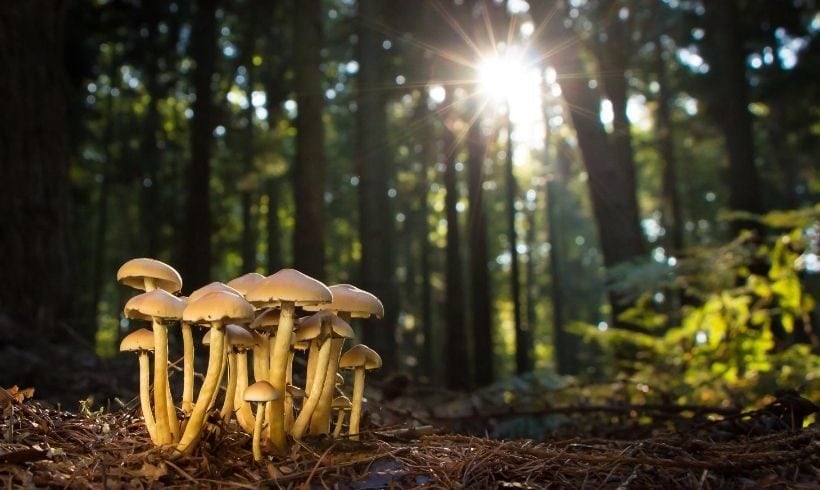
607	189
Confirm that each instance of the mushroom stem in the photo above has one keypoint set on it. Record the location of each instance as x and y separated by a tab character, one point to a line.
278	371
320	422
193	430
228	404
257	431
261	358
340	420
302	421
358	396
288	397
145	396
161	383
313	353
173	421
222	365
244	414
188	368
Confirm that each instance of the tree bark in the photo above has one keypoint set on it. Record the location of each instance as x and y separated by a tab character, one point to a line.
34	196
671	210
376	222
736	121
309	167
249	222
481	307
457	374
197	243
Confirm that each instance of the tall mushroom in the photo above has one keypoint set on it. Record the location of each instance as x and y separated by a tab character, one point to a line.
322	328
142	342
359	358
342	404
286	289
262	393
264	325
160	307
239	341
217	308
348	302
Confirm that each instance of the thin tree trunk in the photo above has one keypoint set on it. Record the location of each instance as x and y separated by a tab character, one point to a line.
743	181
150	216
249	233
457	374
274	96
34	195
197	243
309	167
376	223
672	211
480	306
523	338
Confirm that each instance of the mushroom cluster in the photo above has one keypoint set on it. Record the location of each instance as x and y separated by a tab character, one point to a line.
257	315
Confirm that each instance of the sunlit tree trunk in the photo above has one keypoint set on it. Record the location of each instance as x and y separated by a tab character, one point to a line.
309	167
480	304
376	222
197	244
34	194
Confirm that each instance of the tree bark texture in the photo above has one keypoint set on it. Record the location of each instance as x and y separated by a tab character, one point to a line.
197	243
34	195
309	167
480	298
376	222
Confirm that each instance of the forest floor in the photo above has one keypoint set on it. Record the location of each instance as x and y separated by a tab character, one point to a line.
618	446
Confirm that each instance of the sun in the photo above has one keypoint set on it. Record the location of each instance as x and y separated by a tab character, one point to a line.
511	84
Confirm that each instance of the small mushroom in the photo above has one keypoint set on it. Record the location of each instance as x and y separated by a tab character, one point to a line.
348	302
244	282
341	404
142	342
359	358
217	308
322	328
263	394
159	307
286	289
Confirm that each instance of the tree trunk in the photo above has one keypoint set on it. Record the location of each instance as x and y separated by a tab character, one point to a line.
376	223
150	217
197	243
480	306
523	337
34	196
672	211
736	121
249	222
457	374
309	167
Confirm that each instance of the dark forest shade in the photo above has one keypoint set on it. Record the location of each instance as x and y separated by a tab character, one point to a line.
34	197
309	168
197	244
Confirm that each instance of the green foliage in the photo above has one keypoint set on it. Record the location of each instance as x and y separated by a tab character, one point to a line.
737	338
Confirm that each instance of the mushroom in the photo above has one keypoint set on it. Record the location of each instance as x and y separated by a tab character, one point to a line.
348	302
286	289
295	345
341	404
142	342
239	341
264	324
359	358
159	307
262	393
322	328
244	282
244	414
216	308
149	274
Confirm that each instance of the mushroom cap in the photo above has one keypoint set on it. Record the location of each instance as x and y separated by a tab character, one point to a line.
348	298
266	320
296	392
210	288
341	402
154	304
134	272
300	345
138	340
244	282
218	306
360	356
261	391
289	285
311	327
340	380
236	336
